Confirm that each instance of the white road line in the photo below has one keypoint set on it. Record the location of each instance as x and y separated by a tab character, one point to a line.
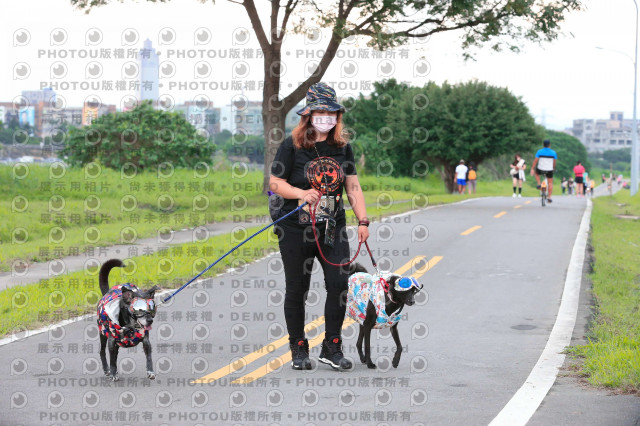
29	333
526	401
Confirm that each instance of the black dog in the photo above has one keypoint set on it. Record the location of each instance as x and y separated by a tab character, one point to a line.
390	296
134	310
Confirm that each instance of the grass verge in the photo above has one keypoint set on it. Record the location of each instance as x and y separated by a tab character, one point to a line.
611	359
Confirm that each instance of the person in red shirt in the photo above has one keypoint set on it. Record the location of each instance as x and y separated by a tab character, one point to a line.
578	171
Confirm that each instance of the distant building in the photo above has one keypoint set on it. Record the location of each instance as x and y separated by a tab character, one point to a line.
3	113
247	117
47	96
207	118
604	134
149	72
8	113
30	115
54	119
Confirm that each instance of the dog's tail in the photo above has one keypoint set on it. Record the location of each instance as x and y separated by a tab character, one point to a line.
356	267
104	273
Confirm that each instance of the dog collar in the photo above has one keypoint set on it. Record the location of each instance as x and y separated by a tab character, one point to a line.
385	286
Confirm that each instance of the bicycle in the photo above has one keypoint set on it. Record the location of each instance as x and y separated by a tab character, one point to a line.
543	192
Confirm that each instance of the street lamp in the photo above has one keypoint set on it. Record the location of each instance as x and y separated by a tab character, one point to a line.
634	126
634	133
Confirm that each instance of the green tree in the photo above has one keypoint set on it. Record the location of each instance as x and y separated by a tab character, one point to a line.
251	147
366	114
14	124
142	136
570	150
222	137
17	135
366	117
384	24
6	136
617	155
443	124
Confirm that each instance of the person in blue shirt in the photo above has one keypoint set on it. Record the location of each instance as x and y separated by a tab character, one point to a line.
545	164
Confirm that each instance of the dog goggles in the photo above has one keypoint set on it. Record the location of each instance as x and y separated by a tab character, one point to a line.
140	307
406	283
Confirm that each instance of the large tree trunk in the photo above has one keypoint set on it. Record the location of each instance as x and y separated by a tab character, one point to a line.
274	109
274	122
448	172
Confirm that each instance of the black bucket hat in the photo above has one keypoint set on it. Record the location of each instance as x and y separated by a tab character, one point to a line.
320	96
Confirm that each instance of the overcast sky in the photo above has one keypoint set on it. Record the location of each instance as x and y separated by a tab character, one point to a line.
566	79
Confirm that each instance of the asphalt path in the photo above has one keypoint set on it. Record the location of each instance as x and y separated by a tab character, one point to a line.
493	271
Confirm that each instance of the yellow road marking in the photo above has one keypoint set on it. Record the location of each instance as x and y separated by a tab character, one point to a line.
502	213
410	264
276	363
518	206
280	361
527	202
430	264
247	359
470	230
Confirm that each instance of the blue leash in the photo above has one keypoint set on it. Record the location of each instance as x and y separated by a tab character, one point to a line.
230	251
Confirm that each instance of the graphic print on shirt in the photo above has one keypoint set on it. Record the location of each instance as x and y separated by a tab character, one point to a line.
325	171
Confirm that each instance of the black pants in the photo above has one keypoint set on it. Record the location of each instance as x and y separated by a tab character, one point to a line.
298	249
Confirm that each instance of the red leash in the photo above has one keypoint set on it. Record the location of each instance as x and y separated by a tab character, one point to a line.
312	213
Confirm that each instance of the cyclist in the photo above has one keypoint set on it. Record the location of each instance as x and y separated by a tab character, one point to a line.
545	164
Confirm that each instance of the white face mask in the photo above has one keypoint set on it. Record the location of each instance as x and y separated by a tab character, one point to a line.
324	123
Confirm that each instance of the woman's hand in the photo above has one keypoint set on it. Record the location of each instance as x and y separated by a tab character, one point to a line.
363	233
311	196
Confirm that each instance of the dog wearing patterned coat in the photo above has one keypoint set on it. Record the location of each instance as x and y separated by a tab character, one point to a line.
125	314
376	301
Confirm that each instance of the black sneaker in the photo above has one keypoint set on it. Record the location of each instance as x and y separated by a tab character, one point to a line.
300	355
331	354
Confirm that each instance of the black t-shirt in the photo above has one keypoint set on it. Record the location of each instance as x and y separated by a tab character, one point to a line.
302	169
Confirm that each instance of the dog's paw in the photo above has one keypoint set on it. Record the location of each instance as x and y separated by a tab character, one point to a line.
371	365
151	375
115	377
363	359
107	373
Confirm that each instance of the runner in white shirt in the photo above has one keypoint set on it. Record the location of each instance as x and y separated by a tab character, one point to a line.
461	176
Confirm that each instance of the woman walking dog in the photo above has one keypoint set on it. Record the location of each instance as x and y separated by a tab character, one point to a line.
314	164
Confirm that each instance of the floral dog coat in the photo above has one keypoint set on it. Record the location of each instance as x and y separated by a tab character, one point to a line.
365	288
